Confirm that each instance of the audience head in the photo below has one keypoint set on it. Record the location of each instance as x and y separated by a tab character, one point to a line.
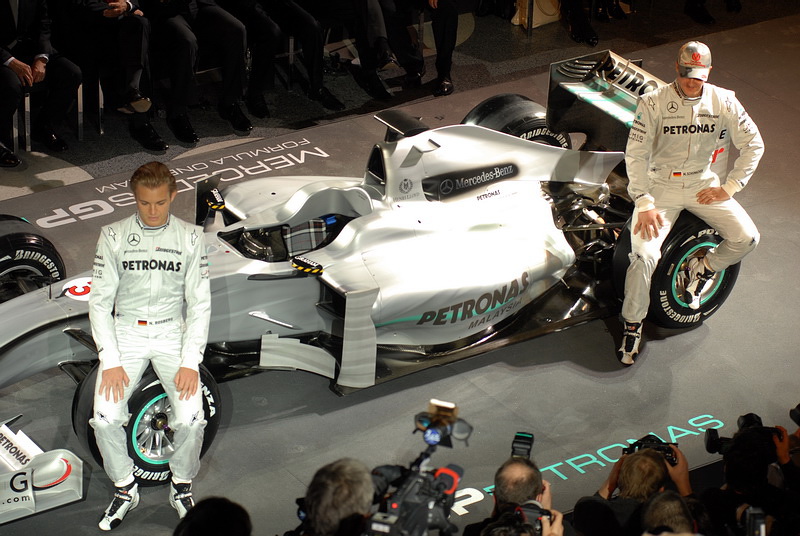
642	474
667	511
214	516
339	495
516	481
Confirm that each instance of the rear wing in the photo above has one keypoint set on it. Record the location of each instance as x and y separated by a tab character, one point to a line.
596	95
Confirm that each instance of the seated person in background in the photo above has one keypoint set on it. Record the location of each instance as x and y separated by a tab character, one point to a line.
215	516
179	27
27	58
116	33
638	476
338	500
363	20
444	22
267	21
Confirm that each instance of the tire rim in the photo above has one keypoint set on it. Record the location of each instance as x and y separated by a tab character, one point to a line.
151	432
10	286
680	277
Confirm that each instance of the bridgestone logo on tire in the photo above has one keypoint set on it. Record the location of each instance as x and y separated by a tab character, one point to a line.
25	255
153	476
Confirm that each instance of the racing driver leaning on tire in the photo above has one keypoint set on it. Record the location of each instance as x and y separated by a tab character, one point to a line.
673	142
146	267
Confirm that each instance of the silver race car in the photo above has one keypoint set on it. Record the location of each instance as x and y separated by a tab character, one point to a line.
455	240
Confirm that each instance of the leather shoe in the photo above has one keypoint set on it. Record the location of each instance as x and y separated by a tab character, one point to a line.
326	99
444	86
51	140
374	86
413	79
182	128
233	113
256	105
148	137
135	102
8	158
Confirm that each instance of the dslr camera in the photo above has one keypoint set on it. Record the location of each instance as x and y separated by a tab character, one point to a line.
652	442
414	499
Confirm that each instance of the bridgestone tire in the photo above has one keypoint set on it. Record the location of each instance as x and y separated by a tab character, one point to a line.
518	116
149	448
25	254
689	237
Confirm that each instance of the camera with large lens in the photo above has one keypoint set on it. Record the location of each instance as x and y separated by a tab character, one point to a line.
415	499
750	422
653	442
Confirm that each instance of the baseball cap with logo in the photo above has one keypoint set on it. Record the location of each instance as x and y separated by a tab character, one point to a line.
694	60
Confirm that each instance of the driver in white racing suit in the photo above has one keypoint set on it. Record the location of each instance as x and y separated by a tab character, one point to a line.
147	269
678	133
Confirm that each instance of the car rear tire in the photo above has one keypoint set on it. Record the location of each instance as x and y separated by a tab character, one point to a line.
27	259
690	237
518	116
149	445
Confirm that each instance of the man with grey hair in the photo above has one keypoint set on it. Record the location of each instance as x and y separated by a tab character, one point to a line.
679	130
338	499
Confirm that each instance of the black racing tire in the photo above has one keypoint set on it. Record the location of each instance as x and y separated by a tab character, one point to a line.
148	446
27	259
518	116
690	236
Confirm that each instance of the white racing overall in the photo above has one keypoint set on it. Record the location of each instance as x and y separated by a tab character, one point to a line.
671	148
142	279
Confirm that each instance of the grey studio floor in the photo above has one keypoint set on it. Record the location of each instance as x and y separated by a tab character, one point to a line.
567	388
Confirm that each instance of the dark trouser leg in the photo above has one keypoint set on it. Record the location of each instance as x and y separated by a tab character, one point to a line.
444	22
221	30
264	37
62	80
178	43
397	15
10	97
295	20
134	43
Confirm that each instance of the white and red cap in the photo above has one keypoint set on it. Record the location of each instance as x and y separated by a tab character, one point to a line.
694	60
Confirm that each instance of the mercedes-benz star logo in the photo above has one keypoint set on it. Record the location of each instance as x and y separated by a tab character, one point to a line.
134	239
446	187
672	107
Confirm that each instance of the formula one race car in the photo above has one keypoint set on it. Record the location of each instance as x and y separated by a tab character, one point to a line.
454	241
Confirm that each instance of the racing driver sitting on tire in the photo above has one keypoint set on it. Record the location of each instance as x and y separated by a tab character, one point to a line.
675	137
146	268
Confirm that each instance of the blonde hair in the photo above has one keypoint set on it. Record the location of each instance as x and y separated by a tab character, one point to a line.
642	474
153	175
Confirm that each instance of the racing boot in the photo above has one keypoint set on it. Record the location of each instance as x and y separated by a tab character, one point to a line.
699	275
125	498
631	337
180	497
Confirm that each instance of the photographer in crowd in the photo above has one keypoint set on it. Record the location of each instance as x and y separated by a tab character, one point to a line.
517	482
750	483
338	500
638	476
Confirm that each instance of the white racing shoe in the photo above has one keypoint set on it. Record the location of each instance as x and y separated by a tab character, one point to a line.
180	497
699	276
125	499
631	337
